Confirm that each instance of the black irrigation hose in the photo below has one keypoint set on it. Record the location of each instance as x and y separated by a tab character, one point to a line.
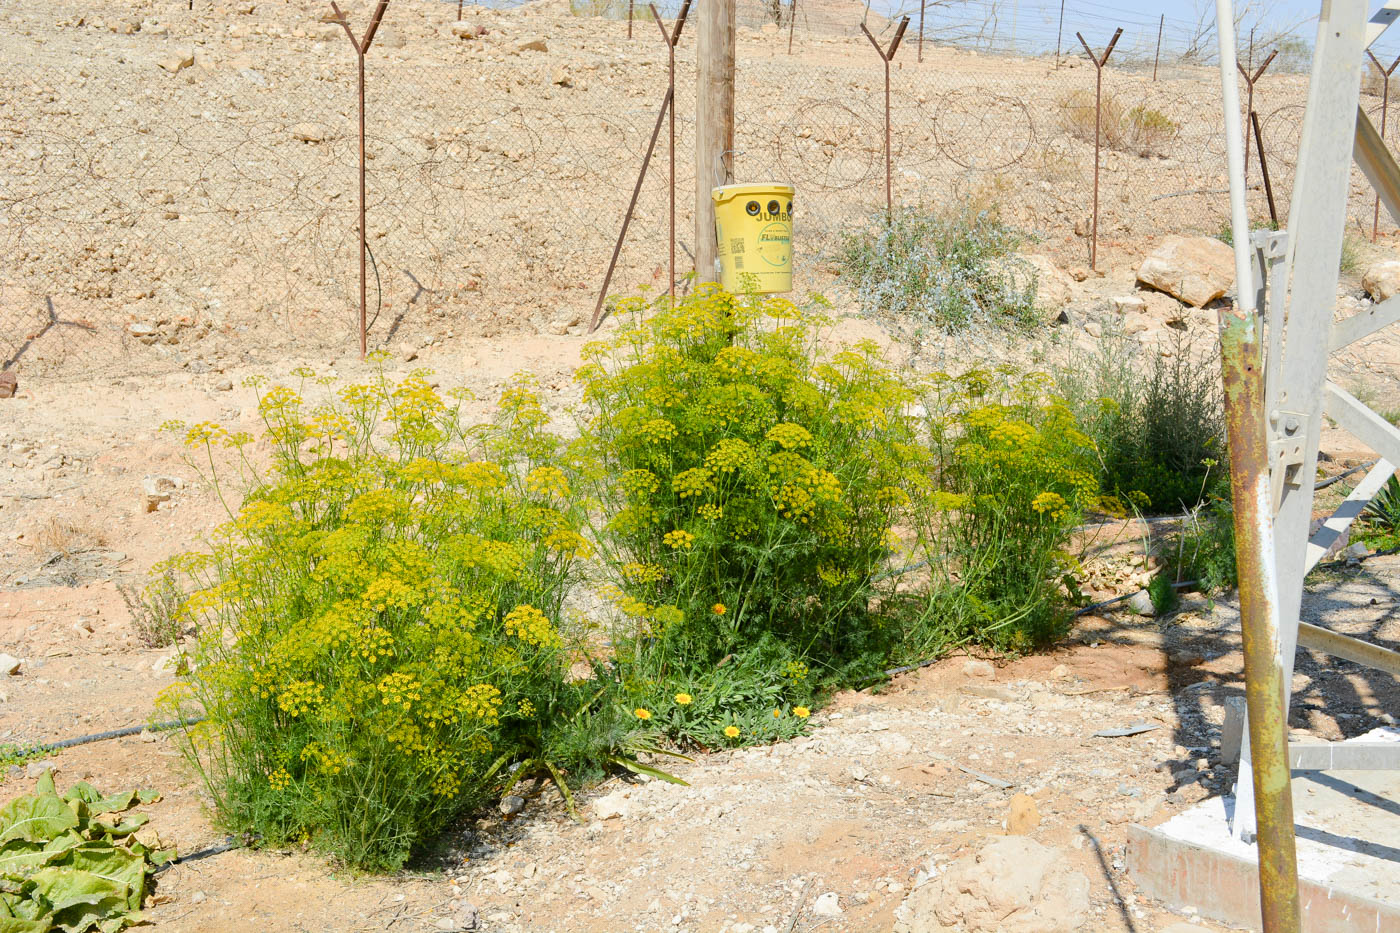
228	845
114	734
1343	475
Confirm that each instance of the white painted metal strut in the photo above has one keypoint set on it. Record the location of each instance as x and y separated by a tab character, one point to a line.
1297	273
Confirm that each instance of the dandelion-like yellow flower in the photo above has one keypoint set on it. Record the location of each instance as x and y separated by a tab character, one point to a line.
731	731
642	713
719	609
801	712
684	699
777	714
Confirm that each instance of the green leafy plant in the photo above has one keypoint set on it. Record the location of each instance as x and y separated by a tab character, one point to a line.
74	863
1158	433
749	486
1014	476
1204	548
929	272
381	620
1380	522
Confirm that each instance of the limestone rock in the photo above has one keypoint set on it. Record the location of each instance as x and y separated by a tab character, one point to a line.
465	30
1022	816
9	384
614	806
827	905
533	45
1196	269
1382	279
1012	885
309	133
1052	286
176	62
1126	303
9	664
159	489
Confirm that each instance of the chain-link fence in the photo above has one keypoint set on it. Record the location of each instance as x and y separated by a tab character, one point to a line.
156	212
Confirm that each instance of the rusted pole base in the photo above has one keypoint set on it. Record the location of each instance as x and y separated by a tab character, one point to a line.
1242	374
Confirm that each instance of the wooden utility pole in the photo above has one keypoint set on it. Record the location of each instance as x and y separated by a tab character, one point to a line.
714	124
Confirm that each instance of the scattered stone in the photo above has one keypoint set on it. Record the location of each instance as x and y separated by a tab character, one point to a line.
176	62
198	897
1022	816
1093	329
975	667
1012	885
1052	285
562	78
309	133
1141	603
224	385
37	769
1357	551
9	384
1123	304
1196	270
9	664
533	45
1382	279
159	489
465	30
614	806
142	331
1059	672
827	905
512	804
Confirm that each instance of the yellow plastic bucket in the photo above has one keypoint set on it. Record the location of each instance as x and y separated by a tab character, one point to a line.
753	226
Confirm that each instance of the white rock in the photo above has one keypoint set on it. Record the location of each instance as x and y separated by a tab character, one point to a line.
1053	287
465	30
1382	279
1011	885
1196	269
158	489
614	806
9	664
1126	303
975	667
827	905
309	133
176	62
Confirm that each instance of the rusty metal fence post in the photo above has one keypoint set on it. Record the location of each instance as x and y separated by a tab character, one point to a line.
671	39
887	56
922	5
1264	168
1157	58
1099	61
1249	79
361	47
1242	374
1385	107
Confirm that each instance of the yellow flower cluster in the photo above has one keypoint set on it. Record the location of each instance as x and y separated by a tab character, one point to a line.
531	626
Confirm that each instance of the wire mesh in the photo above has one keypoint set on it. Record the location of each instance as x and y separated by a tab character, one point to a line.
155	213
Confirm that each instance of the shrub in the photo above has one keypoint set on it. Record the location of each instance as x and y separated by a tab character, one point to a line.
1380	521
1014	477
750	490
1138	129
381	621
1158	435
155	610
943	272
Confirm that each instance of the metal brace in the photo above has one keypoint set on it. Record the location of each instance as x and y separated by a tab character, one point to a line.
1286	434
